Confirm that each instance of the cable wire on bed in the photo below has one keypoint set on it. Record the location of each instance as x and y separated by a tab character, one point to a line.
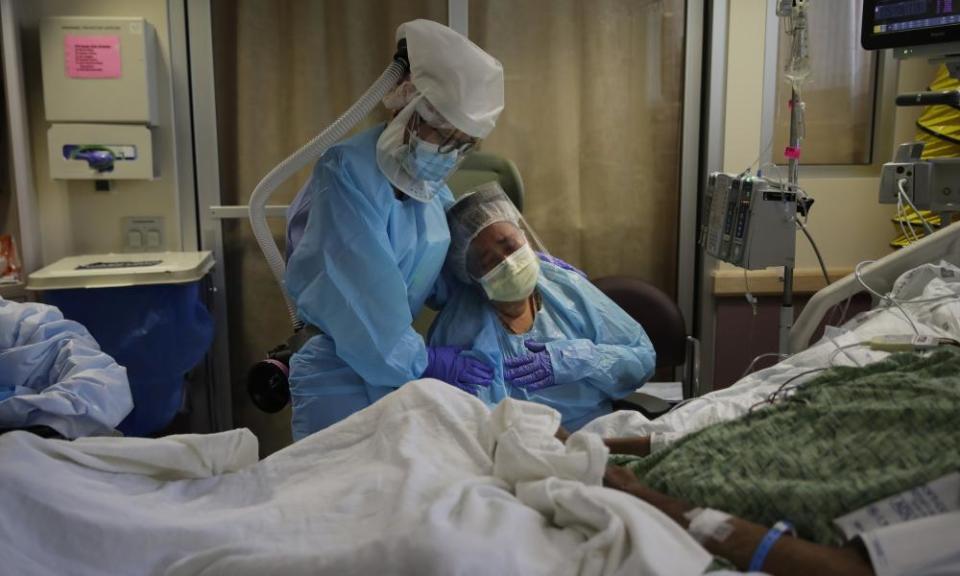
859	274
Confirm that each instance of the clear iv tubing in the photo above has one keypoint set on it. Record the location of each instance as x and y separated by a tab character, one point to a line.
308	153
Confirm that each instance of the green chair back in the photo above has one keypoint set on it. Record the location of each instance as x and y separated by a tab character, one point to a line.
479	168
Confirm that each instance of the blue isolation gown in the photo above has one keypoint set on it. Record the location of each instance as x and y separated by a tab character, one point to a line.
363	267
53	373
599	353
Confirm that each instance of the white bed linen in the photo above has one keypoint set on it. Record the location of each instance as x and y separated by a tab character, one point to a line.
426	481
939	318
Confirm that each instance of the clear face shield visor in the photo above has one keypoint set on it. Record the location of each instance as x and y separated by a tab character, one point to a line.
418	150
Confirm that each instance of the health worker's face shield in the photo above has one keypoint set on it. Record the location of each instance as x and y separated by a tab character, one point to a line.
429	126
492	245
419	149
455	89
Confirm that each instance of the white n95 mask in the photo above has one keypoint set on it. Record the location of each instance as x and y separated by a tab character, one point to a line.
515	278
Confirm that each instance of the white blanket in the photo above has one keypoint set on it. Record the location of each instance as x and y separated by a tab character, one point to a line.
930	294
426	481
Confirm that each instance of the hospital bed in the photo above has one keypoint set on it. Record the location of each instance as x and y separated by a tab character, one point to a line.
427	481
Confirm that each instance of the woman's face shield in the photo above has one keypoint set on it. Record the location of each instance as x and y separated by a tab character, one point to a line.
492	245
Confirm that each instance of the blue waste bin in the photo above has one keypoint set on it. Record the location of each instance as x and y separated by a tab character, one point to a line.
157	325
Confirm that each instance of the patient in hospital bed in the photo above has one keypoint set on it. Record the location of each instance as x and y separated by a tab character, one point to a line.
839	457
551	336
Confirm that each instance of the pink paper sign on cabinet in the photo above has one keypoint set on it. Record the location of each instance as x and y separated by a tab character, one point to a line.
92	56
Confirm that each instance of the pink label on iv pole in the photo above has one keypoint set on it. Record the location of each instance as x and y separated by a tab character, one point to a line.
92	56
791	153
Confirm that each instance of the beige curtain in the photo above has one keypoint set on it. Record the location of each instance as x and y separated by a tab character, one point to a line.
593	93
592	119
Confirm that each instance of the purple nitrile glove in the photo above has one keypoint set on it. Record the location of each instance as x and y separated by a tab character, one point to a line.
531	372
447	363
560	263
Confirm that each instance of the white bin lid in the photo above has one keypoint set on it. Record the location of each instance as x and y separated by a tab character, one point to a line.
119	270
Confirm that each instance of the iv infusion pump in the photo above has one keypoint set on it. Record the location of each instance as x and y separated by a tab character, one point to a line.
749	221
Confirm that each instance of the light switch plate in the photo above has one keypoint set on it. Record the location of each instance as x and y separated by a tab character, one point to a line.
148	229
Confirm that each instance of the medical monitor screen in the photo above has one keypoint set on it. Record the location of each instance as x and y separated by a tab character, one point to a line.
906	23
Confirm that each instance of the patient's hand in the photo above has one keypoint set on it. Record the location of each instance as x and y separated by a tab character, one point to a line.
789	556
562	434
619	478
636	446
623	479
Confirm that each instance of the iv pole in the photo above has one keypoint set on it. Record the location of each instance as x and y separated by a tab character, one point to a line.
793	174
796	13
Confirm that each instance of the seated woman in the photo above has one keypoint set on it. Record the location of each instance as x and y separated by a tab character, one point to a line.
862	461
552	336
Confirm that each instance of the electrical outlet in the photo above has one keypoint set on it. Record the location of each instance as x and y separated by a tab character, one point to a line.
143	234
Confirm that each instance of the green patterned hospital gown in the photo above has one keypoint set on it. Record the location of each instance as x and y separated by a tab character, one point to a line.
846	439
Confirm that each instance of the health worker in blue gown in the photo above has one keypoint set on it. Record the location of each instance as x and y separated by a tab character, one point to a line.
367	235
551	335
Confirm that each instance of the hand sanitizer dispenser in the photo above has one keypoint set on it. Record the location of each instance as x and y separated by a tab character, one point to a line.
99	93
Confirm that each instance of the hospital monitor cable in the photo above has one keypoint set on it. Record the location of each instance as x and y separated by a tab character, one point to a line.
908	237
858	273
894	342
890	343
310	152
902	195
773	396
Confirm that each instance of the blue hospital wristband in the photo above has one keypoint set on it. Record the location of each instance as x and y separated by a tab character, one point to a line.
760	555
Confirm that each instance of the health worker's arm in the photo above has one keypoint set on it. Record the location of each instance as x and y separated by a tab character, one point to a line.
346	281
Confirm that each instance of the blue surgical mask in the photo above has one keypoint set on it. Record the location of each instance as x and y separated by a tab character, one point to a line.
423	161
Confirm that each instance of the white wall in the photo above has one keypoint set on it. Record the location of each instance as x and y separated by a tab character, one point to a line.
74	218
847	222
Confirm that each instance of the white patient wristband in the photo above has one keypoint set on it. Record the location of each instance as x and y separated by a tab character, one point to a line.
708	524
